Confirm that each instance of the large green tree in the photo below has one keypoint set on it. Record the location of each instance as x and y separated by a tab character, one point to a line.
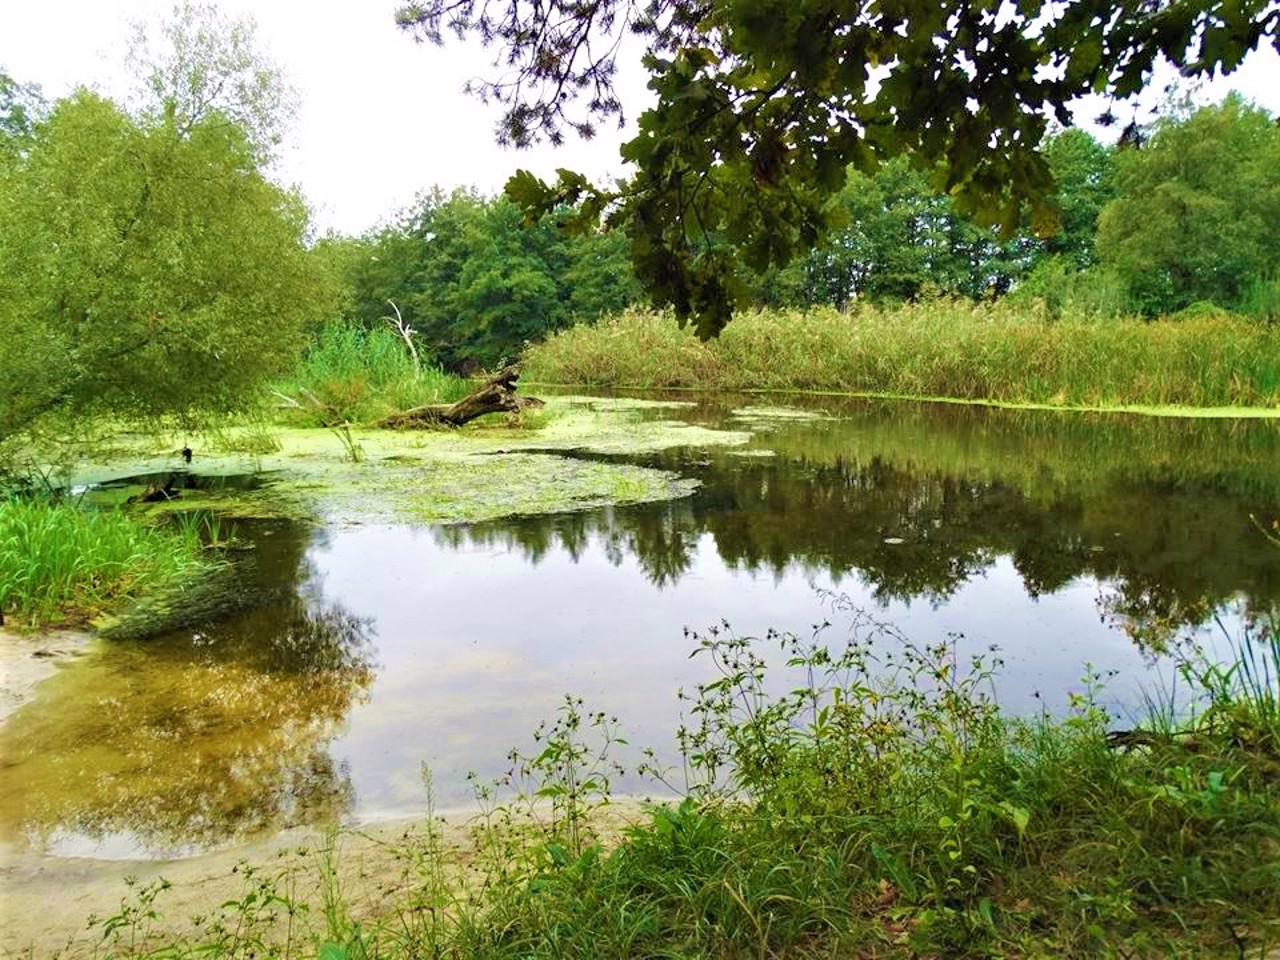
763	105
477	285
1084	182
1197	207
896	237
144	268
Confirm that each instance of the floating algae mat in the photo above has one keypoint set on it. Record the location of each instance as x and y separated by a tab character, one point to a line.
477	473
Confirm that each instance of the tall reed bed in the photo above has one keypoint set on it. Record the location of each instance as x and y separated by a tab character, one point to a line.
362	374
942	348
61	562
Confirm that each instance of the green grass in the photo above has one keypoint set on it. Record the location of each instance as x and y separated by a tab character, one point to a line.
64	564
939	349
884	807
360	375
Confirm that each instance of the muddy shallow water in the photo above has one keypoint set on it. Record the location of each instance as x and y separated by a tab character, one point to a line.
342	657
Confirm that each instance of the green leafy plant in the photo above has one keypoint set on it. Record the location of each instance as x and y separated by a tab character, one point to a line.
61	561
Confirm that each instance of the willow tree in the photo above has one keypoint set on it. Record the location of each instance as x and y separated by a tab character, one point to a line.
147	263
144	269
763	106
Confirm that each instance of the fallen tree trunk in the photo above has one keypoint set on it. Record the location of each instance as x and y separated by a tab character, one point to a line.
495	395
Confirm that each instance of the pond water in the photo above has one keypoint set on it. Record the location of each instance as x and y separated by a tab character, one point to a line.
351	656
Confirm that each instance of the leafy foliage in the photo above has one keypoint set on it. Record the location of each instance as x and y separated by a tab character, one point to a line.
145	268
1195	215
477	285
763	106
1083	176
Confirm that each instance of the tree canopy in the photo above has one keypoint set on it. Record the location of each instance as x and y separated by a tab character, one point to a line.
21	106
764	106
146	269
200	64
1195	218
475	284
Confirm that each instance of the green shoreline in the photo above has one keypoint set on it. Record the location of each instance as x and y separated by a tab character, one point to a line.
1172	411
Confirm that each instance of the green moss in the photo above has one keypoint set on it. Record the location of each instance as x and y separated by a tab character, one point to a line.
784	414
522	484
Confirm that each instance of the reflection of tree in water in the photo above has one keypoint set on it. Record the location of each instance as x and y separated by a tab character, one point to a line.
917	501
197	737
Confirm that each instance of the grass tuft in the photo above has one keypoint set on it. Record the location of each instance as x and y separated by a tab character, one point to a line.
361	375
62	563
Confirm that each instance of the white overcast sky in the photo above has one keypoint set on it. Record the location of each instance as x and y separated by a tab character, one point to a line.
381	117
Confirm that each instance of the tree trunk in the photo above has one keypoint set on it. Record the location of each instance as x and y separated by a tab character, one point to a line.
495	395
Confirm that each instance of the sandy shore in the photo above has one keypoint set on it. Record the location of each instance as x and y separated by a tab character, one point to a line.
26	659
46	902
49	904
56	905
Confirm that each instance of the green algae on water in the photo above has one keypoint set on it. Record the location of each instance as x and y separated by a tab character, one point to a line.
477	473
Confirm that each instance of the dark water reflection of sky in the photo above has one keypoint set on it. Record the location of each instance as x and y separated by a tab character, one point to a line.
361	653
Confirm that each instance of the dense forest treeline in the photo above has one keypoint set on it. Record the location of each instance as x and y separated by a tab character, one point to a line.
474	282
1179	221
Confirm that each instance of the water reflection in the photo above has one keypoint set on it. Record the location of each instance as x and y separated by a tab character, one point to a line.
1014	529
195	738
919	500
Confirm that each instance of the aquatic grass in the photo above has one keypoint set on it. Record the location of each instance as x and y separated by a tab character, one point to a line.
210	530
360	375
1240	685
61	562
943	348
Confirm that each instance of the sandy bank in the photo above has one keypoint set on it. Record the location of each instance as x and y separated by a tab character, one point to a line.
26	659
52	904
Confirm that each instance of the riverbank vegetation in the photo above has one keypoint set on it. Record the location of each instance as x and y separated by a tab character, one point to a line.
153	272
62	563
884	806
353	374
941	348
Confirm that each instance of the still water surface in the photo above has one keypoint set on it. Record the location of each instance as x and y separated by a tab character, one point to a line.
359	654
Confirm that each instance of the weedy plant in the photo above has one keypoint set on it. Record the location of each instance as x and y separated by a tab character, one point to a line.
998	352
63	562
885	804
351	375
855	794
